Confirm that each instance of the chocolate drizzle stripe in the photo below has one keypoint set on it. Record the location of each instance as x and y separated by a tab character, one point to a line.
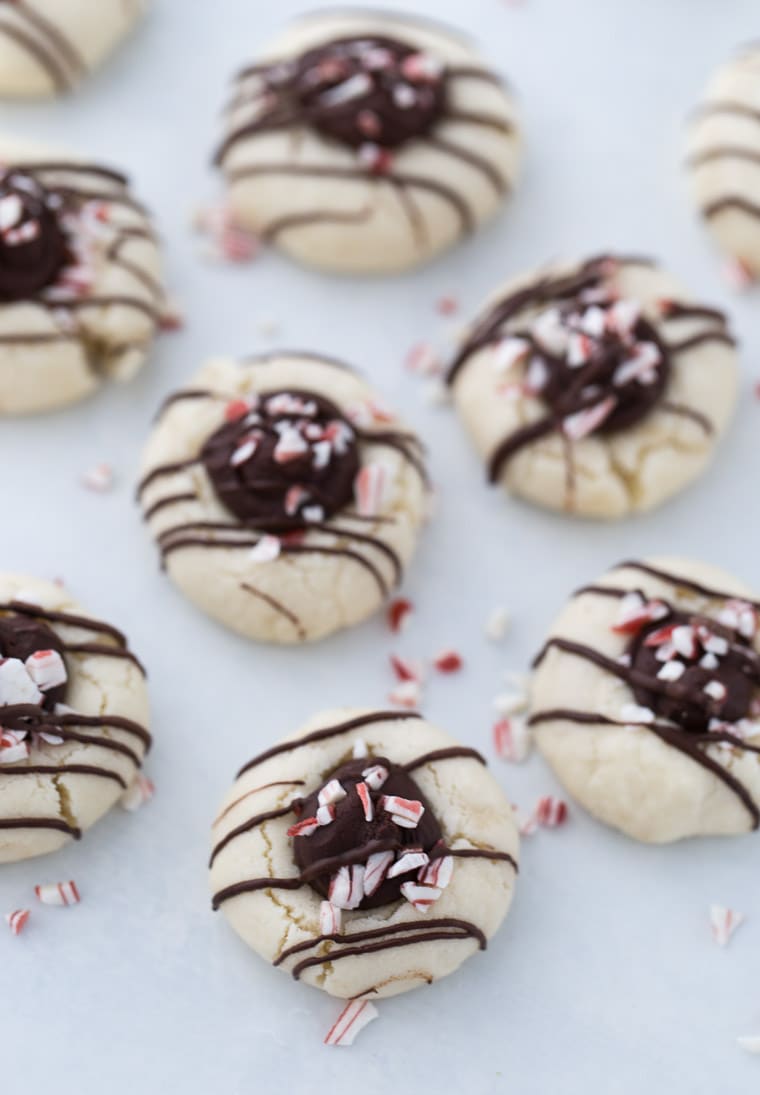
482	853
41	823
47	60
169	500
326	732
251	885
480	163
454	752
105	651
247	827
122	300
400	181
35	167
278	606
335	552
59	43
255	791
678	309
63	770
727	106
724	152
69	619
113	722
731	202
24	339
685	583
488	121
688	412
700	339
164	469
277	227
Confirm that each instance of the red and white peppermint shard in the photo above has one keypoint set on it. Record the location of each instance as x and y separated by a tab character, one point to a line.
266	550
16	686
354	1018
406	694
47	669
325	814
723	923
330	919
376	159
375	776
509	352
376	871
305	827
140	791
423	359
448	661
551	812
236	409
634	613
17	920
13	746
290	446
98	478
421	68
399	614
369	489
580	425
405	669
365	798
58	893
333	791
347	887
405	811
409	861
512	739
421	897
741	617
437	873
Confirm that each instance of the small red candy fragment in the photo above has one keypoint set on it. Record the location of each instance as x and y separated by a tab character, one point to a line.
365	798
399	612
305	827
353	1019
448	661
235	409
17	920
724	923
551	812
405	669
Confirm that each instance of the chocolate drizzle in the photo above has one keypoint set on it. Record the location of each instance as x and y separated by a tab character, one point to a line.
375	95
708	693
44	41
349	839
25	631
33	245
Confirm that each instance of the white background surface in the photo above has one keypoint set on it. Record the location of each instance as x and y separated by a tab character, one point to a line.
604	980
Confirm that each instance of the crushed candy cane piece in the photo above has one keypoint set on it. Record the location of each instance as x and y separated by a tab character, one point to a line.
438	872
716	690
422	358
365	798
375	776
447	305
635	713
741	617
551	812
509	352
58	893
448	661
376	871
266	550
497	624
99	478
140	791
16	686
356	1015
333	791
330	919
399	614
512	739
305	827
724	923
671	671
370	488
17	920
582	423
325	814
236	409
406	694
421	897
405	669
635	612
47	669
738	274
347	886
410	861
13	746
408	809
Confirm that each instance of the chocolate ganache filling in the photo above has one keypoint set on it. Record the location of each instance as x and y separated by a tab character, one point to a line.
33	245
283	460
350	831
704	672
360	90
21	638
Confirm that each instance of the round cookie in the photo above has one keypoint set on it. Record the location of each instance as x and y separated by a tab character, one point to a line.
646	701
367	142
47	47
599	389
724	157
73	718
80	278
368	854
285	499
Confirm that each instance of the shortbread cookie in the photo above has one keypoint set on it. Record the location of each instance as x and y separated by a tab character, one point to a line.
285	499
599	389
73	718
724	157
47	47
646	700
367	141
368	854
80	289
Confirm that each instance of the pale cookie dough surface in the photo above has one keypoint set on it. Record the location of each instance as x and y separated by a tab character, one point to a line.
102	717
374	181
653	773
600	425
91	315
724	157
47	47
339	552
470	809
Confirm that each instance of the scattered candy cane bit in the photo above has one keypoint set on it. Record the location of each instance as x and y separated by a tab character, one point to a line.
99	478
551	812
423	359
370	487
447	305
437	873
58	893
405	669
410	861
266	550
749	1043
17	920
497	624
47	669
421	897
356	1015
406	694
229	242
333	791
448	661
399	613
305	827
375	871
365	798
140	791
724	923
347	886
325	814
582	423
512	739
739	275
407	809
330	919
16	686
375	776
